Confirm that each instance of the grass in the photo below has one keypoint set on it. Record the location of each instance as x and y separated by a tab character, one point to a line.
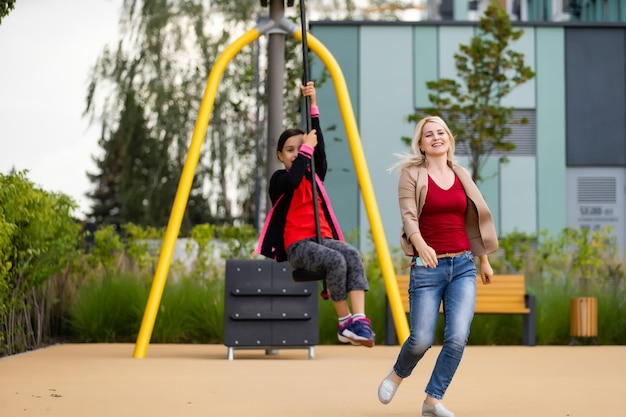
110	309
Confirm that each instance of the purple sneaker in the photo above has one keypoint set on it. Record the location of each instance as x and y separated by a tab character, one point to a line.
357	332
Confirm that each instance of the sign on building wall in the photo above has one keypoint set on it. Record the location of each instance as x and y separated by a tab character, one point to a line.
597	198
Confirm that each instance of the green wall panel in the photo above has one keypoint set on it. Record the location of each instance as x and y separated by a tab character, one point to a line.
523	96
386	78
518	200
461	10
450	37
551	140
341	183
425	57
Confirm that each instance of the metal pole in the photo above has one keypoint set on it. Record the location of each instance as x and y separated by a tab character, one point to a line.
275	88
257	138
307	110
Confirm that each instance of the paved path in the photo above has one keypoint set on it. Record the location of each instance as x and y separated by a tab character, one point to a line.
103	380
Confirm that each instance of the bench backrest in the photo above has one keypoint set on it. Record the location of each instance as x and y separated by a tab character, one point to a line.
504	295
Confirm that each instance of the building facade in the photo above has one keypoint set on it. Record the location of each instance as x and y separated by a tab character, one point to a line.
530	10
569	166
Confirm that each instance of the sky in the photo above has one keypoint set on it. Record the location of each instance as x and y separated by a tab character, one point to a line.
47	48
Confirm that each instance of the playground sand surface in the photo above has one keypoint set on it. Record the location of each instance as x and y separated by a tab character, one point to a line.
104	380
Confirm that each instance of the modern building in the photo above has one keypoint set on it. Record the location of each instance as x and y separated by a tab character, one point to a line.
529	10
569	166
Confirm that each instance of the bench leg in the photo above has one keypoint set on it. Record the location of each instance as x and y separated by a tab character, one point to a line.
390	327
530	320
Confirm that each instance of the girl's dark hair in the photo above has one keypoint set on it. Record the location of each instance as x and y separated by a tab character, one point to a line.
286	135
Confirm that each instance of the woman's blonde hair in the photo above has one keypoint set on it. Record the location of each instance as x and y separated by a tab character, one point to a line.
417	157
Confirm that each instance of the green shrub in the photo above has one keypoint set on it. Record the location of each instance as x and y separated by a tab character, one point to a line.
38	239
101	294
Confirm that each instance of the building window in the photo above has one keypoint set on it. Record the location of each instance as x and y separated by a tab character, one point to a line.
523	136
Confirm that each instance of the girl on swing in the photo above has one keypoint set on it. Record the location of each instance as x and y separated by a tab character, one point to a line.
289	233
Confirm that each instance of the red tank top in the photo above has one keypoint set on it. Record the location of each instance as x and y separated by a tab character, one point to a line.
300	222
442	221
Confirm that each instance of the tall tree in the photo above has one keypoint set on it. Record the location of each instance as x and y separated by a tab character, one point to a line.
489	69
134	173
165	53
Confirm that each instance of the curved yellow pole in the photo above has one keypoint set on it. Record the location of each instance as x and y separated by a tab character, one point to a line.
365	183
182	193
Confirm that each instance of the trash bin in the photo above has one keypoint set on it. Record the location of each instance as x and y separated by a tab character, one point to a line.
583	319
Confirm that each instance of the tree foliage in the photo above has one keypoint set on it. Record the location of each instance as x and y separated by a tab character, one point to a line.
490	70
5	7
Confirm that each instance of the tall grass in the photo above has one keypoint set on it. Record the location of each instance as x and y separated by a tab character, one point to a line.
109	308
191	311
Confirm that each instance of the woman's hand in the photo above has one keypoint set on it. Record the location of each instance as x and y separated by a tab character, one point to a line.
427	255
486	271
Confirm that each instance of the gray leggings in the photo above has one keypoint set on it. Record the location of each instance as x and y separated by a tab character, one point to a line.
341	262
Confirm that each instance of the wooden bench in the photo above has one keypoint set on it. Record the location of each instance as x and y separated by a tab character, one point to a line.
505	295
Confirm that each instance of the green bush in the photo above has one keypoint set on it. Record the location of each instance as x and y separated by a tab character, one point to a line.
191	310
100	294
38	239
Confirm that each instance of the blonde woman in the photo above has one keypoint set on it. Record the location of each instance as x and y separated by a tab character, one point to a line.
445	224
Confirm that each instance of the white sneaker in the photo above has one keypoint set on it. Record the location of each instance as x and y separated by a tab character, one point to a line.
437	410
387	389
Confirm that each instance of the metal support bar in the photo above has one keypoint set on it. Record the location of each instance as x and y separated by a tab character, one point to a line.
530	321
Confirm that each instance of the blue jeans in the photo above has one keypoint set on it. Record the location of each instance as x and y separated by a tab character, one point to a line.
453	281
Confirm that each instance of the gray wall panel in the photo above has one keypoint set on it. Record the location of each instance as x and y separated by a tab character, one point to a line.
595	88
596	199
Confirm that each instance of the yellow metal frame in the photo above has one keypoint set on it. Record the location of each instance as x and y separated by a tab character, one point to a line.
193	155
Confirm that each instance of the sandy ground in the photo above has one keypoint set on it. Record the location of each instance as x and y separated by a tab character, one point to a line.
78	380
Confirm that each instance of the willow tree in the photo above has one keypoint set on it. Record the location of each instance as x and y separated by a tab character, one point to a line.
489	69
163	58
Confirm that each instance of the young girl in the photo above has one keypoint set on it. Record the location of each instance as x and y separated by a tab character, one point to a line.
289	233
